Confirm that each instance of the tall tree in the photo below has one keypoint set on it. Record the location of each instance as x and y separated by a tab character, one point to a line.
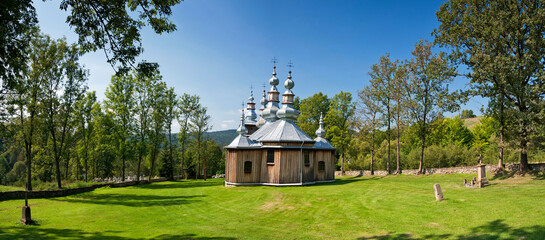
142	114
427	91
84	119
62	89
201	124
120	102
157	93
382	79
502	45
399	105
337	119
188	106
369	109
171	104
28	92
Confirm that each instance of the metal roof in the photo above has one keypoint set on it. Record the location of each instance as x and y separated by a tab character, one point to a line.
322	143
242	141
284	131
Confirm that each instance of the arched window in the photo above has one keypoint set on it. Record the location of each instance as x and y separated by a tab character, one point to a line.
248	167
321	166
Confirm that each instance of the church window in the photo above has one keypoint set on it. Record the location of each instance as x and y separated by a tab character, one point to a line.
321	166
248	167
270	157
306	157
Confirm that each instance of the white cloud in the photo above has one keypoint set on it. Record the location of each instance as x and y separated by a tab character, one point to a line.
223	126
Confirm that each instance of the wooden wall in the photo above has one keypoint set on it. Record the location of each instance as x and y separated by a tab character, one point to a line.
286	167
328	157
290	162
308	171
234	165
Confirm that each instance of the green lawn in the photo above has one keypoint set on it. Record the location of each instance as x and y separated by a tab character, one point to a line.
396	207
4	188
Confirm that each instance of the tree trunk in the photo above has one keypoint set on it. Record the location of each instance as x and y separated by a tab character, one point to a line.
388	131
123	167
29	167
500	161
421	166
85	162
342	165
138	168
171	157
523	155
58	173
398	167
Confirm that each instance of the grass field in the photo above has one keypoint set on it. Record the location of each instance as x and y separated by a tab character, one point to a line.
395	207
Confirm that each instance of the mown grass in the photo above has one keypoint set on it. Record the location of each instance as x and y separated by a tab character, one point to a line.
4	188
395	207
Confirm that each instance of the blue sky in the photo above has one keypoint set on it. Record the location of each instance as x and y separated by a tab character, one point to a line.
221	48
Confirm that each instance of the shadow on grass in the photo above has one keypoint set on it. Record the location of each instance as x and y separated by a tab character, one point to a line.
35	232
181	184
342	181
502	175
130	200
496	229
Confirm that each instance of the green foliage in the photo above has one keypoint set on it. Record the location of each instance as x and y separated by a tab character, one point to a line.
505	59
467	114
310	110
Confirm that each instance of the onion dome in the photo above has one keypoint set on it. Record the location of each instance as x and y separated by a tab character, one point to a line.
320	141
321	132
272	107
241	130
262	121
251	116
288	112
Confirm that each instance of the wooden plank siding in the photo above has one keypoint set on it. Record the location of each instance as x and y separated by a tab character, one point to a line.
290	163
285	170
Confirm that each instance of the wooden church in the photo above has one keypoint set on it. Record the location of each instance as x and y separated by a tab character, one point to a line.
274	151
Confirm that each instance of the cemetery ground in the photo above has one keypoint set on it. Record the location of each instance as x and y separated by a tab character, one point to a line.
392	207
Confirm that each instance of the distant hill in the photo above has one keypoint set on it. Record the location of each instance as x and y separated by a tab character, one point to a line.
471	122
222	138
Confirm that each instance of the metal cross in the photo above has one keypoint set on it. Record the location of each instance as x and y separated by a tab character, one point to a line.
290	64
274	61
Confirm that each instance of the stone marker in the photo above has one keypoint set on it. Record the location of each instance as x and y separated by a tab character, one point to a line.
481	173
438	192
26	219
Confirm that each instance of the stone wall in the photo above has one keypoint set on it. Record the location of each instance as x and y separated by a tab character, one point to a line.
70	191
468	170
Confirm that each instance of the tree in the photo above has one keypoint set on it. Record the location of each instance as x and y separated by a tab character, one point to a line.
120	102
201	124
337	120
382	80
502	45
467	114
158	109
62	88
310	110
171	104
427	91
27	92
83	114
369	110
18	19
142	114
188	106
400	80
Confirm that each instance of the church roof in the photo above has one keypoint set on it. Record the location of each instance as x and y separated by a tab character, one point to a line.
242	141
284	131
322	143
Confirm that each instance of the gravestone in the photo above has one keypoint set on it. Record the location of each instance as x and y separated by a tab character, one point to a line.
438	192
481	175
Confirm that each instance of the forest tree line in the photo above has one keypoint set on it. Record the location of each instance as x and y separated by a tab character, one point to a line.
397	121
53	124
